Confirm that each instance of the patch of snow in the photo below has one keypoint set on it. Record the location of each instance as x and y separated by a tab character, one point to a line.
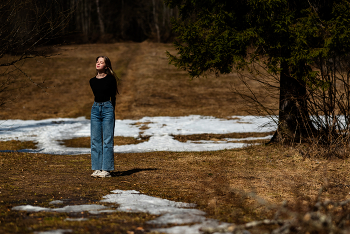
30	208
79	208
133	201
171	213
58	231
76	208
178	218
49	132
101	211
76	219
197	124
56	202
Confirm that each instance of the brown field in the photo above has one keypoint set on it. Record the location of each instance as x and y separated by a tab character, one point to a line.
17	145
149	87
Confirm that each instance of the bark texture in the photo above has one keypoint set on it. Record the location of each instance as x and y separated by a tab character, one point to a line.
294	121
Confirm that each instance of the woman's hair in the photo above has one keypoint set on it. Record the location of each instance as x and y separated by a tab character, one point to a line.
109	69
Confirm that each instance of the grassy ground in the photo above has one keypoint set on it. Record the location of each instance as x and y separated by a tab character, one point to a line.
209	179
149	87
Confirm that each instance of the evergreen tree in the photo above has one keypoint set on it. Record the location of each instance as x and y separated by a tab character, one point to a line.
287	35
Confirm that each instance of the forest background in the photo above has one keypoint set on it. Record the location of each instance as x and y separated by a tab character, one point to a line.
96	20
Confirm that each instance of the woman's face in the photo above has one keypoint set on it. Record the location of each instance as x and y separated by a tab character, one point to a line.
100	64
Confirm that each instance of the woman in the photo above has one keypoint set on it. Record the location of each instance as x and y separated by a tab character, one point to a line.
104	87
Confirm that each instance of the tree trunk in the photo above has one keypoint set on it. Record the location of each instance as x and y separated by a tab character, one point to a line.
294	123
122	20
85	18
155	17
102	28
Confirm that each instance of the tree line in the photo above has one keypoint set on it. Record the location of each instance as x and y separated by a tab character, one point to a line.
90	21
118	20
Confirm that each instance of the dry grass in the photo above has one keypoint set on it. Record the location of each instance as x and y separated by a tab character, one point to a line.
17	145
149	87
209	179
159	89
65	79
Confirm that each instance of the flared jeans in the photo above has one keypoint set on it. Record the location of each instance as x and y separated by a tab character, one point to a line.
102	133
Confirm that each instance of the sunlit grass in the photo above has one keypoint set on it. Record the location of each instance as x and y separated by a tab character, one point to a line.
17	145
212	180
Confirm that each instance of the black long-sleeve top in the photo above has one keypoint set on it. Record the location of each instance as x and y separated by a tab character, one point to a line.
104	89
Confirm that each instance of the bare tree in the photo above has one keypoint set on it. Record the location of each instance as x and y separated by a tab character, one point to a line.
155	18
102	28
26	26
122	19
136	20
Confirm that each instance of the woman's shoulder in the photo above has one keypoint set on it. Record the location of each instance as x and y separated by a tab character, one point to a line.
92	79
110	78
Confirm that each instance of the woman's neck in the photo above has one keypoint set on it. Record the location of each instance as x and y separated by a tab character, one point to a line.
101	75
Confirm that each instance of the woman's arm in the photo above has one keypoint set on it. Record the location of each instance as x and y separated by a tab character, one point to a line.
114	91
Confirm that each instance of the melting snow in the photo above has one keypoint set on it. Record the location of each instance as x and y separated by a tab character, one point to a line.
76	219
55	202
134	201
170	212
66	209
58	231
49	132
30	208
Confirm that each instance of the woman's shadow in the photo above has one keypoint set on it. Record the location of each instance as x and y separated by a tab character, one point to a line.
130	172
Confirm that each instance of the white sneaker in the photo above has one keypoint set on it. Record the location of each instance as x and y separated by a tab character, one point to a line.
96	173
104	174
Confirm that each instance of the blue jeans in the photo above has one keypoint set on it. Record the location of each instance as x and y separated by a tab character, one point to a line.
102	133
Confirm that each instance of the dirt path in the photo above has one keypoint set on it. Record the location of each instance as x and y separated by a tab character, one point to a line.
126	84
152	87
